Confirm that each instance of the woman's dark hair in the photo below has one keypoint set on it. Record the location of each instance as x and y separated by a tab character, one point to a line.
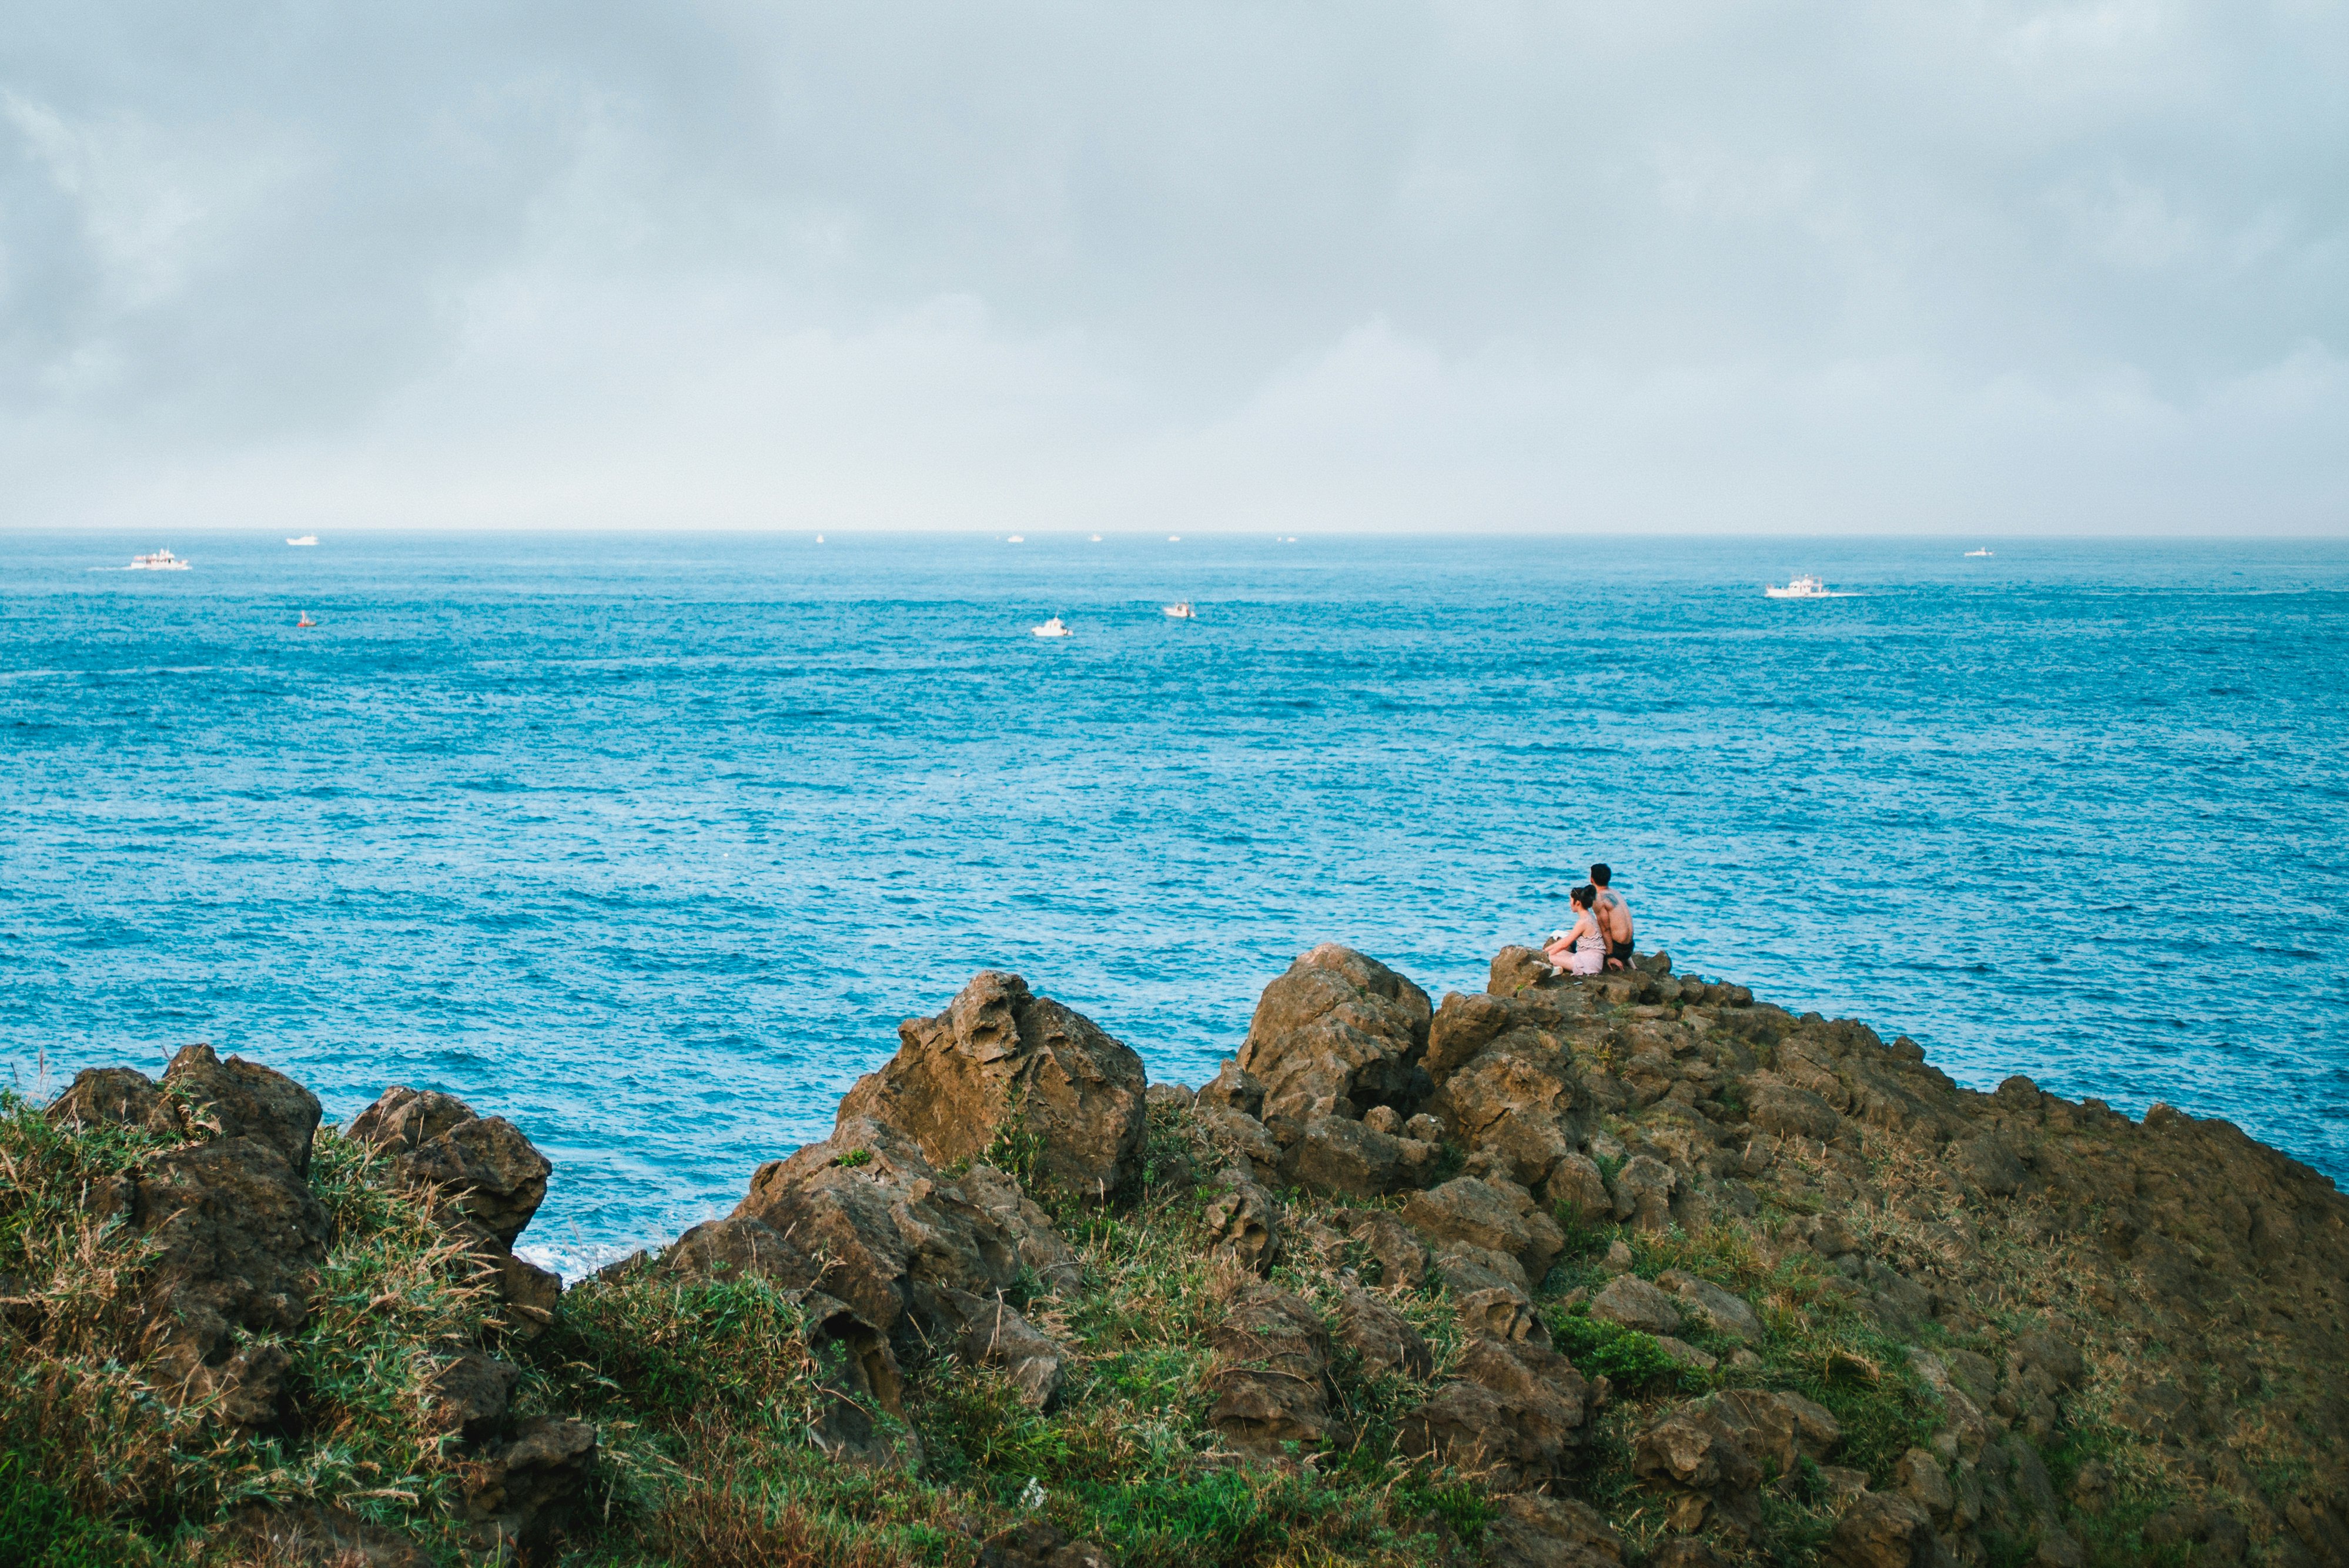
1586	895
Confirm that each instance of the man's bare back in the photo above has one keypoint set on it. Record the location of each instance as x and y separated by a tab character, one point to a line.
1614	914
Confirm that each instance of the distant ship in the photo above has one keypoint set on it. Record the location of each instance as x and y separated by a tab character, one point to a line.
305	624
1173	539
161	561
1017	539
1054	627
1970	555
1181	611
1801	588
306	540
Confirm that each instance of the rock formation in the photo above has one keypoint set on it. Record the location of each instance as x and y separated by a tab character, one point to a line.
1001	1062
1766	1287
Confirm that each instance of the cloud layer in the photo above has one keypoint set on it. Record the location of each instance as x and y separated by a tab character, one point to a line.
1992	268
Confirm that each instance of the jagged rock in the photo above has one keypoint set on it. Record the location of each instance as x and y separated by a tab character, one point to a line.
1002	1061
1643	1193
237	1238
1245	1222
1271	1376
1174	1096
1531	1531
1394	1247
404	1119
861	1419
489	1172
1487	1214
1336	1034
1353	1160
1882	1530
238	1098
121	1097
1519	969
995	1335
1465	1269
1712	1306
1634	1303
1792	1112
1696	1458
497	1179
314	1535
1241	1139
1499	1312
883	1231
737	1246
1576	1182
1680	1353
1925	1483
1515	1417
1042	1250
518	1491
467	1394
1380	1336
1234	1090
1779	1430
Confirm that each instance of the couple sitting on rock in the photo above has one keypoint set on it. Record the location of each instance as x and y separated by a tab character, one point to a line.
1600	938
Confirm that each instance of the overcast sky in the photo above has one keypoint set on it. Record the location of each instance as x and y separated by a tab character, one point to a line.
1967	268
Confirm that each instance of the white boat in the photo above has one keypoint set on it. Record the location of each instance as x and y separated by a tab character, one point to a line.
1173	539
307	539
1181	611
1017	539
1972	554
161	561
1801	588
819	539
1096	539
1055	627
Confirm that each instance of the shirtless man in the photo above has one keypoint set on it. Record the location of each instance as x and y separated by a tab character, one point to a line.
1614	919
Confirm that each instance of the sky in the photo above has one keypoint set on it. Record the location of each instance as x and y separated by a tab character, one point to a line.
1970	268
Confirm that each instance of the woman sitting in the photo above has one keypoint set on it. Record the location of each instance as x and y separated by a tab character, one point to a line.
1583	950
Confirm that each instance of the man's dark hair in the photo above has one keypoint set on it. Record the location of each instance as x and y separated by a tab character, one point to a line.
1586	895
1598	874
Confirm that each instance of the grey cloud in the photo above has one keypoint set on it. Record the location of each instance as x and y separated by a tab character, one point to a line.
1471	265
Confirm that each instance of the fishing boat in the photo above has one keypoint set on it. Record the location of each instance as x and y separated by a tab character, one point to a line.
1181	611
1017	539
1805	587
304	542
161	561
305	624
1054	627
1975	555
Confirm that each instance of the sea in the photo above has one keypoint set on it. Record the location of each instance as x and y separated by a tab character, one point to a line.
648	843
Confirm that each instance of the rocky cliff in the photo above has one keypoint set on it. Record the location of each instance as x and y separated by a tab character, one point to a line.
1626	1270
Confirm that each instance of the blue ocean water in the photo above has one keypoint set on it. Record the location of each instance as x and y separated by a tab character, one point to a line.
647	843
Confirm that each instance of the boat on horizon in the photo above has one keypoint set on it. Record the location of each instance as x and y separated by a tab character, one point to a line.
1017	539
1803	587
305	540
161	561
1970	555
1053	627
1181	610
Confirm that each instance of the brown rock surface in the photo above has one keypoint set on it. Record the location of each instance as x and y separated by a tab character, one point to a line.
1515	1417
1336	1034
998	1061
1271	1376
